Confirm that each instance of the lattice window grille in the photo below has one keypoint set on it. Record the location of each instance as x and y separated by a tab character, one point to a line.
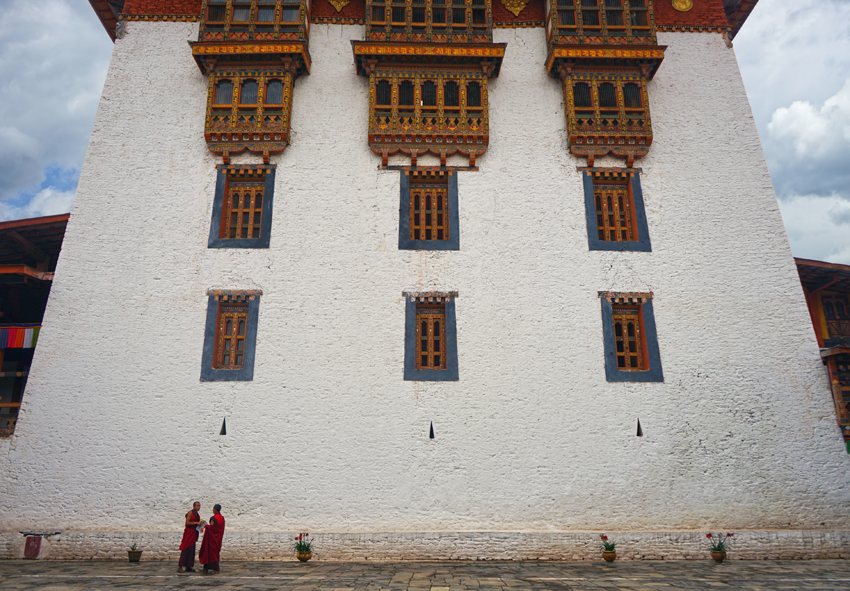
429	206
615	216
430	336
628	337
231	329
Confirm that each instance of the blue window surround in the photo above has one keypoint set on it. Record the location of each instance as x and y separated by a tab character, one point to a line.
404	241
612	372
642	244
430	375
246	374
234	171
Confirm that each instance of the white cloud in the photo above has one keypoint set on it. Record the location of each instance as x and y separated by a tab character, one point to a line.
53	60
818	227
49	201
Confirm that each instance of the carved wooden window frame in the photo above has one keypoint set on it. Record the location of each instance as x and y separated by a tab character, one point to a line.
640	229
253	29
406	236
260	127
580	33
476	27
836	318
649	366
621	130
226	176
212	369
426	307
443	128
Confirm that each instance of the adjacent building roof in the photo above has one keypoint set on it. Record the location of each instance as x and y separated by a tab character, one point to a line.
816	275
737	12
32	242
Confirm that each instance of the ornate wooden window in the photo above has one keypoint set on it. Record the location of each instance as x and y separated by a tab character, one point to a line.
433	21
429	207
230	335
242	209
629	335
619	22
836	312
615	217
607	112
251	20
231	330
429	216
629	338
430	337
249	109
419	111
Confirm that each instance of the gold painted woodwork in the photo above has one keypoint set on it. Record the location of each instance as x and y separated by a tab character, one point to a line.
339	4
683	5
627	134
515	7
441	130
381	26
253	30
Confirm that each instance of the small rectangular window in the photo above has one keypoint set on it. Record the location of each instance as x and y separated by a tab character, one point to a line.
629	337
242	207
430	336
616	217
430	352
428	210
230	336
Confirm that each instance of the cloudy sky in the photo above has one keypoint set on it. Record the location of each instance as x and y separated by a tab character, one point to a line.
794	56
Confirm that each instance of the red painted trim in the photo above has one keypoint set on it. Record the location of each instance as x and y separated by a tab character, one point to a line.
48	220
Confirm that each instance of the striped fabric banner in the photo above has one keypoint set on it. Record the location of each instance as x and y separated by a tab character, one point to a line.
18	336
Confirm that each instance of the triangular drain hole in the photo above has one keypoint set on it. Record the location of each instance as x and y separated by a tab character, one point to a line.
639	431
223	427
431	434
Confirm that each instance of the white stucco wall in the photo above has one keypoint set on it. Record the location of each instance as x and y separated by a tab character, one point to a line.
117	433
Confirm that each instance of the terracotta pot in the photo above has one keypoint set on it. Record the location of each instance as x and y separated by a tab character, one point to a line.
134	555
305	556
718	556
609	555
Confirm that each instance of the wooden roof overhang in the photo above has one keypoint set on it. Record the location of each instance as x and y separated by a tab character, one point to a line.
648	59
818	275
31	242
737	12
108	12
211	54
488	55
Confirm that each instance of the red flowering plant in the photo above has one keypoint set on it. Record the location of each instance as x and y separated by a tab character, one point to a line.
606	545
302	544
718	544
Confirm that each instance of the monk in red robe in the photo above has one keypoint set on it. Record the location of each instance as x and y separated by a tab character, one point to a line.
190	537
211	545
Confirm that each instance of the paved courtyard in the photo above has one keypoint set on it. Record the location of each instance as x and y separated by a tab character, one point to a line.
431	576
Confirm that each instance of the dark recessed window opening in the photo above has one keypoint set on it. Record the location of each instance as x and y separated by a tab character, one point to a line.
607	96
274	92
249	93
224	92
581	95
384	93
473	94
429	94
451	96
405	93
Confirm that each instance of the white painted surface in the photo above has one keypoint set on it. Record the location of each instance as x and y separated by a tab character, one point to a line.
117	433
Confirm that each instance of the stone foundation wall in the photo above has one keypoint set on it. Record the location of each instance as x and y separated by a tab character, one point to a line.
395	546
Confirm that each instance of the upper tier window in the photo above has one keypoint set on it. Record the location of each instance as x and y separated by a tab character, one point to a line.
605	18
428	20
252	19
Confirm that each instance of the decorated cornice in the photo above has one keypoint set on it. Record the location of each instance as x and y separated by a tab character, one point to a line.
369	53
211	54
567	56
182	18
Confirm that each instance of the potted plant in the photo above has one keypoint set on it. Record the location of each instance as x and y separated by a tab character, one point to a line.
303	547
718	546
609	551
134	555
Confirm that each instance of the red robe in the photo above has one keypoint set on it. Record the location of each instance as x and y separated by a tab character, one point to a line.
190	534
211	544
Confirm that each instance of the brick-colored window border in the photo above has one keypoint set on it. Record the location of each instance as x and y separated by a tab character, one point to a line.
217	298
638	210
430	300
650	355
233	172
405	241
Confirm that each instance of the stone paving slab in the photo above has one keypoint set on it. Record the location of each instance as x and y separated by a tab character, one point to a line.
821	575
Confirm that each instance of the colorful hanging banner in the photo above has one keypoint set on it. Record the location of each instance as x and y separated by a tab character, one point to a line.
18	336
